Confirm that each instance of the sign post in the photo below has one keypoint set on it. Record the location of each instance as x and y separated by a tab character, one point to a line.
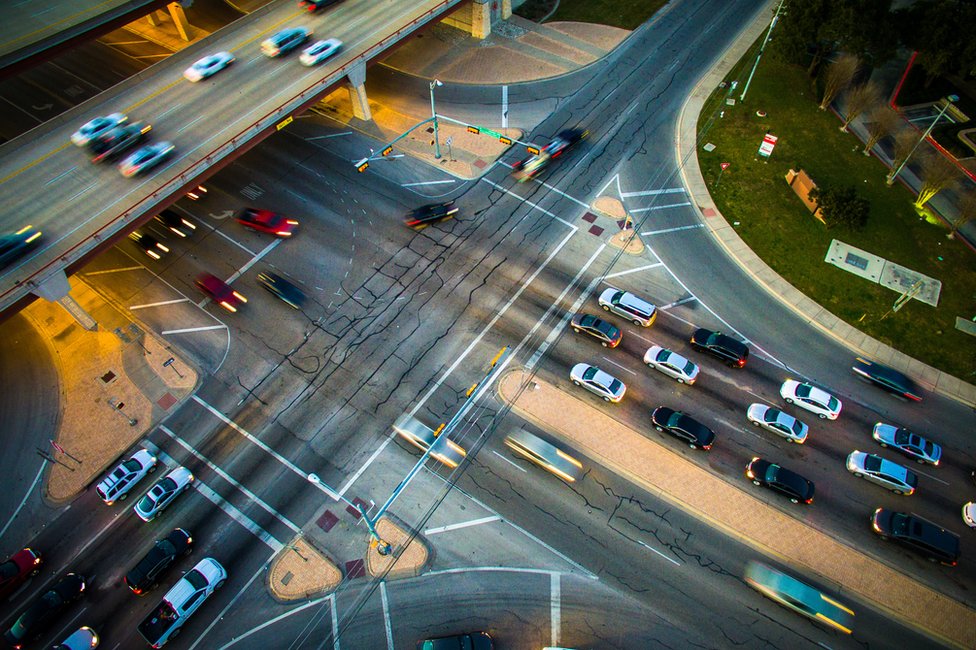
723	166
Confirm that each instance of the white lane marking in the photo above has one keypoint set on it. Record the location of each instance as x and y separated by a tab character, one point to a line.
929	476
254	260
625	369
158	304
667	230
235	242
510	462
24	500
427	183
189	124
504	106
238	516
59	176
190	330
639	268
284	461
673	190
678	302
559	191
671	560
386	615
233	601
168	111
554	604
224	475
326	137
290	612
661	207
335	623
504	569
463	524
641	337
79	193
121	270
534	205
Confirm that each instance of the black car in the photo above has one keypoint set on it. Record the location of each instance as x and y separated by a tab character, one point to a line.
145	575
469	641
15	244
922	536
176	224
733	352
887	378
39	615
149	244
428	214
683	427
282	288
119	140
779	479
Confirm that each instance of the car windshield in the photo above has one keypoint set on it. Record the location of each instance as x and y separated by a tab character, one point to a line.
589	373
771	473
803	390
872	463
833	403
196	579
615	386
164	486
588	320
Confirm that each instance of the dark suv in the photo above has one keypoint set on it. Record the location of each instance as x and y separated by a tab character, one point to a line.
41	613
920	535
118	141
733	352
144	575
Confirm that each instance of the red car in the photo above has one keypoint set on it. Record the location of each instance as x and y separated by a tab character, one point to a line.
17	569
315	5
220	291
267	221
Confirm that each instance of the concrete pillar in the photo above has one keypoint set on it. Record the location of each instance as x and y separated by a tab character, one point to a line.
56	289
506	9
153	19
179	19
357	92
480	18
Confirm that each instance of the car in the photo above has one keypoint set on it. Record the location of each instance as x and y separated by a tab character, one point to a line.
910	444
37	618
114	143
145	158
282	288
320	51
285	41
120	481
885	473
733	352
266	221
84	638
683	427
544	454
920	535
149	244
315	5
97	127
811	398
208	66
607	334
799	597
423	437
563	142
15	571
431	213
623	303
220	291
780	423
671	364
18	244
779	479
145	574
969	514
887	378
176	224
197	193
467	641
162	494
596	381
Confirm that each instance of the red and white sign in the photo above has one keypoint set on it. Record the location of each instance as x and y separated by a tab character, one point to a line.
725	166
766	148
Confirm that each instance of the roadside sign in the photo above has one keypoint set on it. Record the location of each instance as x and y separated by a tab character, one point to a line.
766	148
449	141
725	166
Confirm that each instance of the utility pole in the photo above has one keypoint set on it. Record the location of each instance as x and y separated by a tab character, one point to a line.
762	48
894	172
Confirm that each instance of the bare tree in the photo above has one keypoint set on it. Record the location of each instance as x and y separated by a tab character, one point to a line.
839	75
905	143
859	99
938	172
967	211
882	121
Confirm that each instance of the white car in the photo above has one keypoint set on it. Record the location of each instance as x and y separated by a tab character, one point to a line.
97	127
671	364
208	65
116	486
623	303
596	381
320	51
162	494
811	398
969	514
84	638
782	424
145	158
885	473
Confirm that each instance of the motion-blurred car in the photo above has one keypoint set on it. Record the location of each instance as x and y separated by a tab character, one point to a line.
37	618
423	437
428	214
162	494
145	158
220	291
911	444
779	479
97	127
17	569
733	352
563	142
683	427
598	382
969	514
671	364
780	423
544	454
114	143
84	638
197	193
285	41
320	51
467	641
920	535
282	289
149	244
799	596
208	66
145	574
120	481
16	244
608	335
623	303
880	471
315	5
175	223
811	398
267	222
887	378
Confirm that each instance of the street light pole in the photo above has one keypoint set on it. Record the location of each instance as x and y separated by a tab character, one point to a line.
433	115
762	48
894	173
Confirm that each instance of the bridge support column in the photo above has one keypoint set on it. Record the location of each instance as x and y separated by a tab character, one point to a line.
153	18
506	9
56	289
480	18
357	92
179	20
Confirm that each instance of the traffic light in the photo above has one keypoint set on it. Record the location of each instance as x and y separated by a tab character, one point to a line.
387	151
505	140
473	129
362	165
533	150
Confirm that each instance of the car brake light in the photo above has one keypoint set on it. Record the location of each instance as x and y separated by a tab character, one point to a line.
226	305
283	233
240	297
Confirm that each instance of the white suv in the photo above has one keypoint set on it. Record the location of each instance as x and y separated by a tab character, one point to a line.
116	486
623	303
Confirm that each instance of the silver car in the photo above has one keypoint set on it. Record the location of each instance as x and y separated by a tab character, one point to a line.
423	437
596	381
623	303
544	454
782	424
911	444
885	473
320	51
162	494
118	483
99	126
208	66
671	364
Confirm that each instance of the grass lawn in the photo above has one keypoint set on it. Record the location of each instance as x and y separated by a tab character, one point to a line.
628	14
774	223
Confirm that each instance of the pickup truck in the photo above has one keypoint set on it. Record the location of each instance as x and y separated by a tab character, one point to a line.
179	603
